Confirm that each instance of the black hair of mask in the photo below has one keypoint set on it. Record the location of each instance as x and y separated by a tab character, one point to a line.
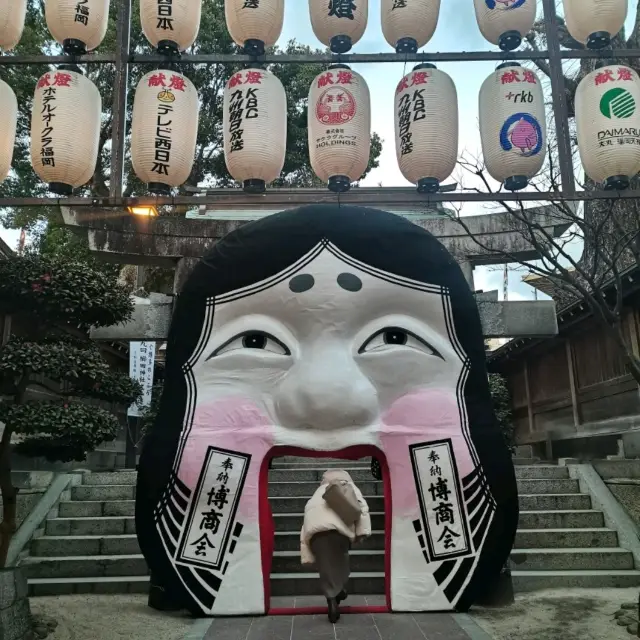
203	516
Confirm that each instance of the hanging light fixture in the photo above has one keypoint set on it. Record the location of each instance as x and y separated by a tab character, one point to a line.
9	119
164	129
608	125
339	118
409	25
78	25
594	22
255	128
339	24
512	125
426	123
505	22
254	24
65	129
171	26
12	15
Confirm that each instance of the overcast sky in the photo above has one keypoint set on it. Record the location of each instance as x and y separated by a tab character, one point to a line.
457	31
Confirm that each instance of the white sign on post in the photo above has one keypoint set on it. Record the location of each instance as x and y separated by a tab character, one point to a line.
141	362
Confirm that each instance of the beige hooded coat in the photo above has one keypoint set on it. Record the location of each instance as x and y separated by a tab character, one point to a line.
318	516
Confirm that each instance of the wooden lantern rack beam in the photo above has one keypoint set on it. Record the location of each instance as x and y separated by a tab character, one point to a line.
122	58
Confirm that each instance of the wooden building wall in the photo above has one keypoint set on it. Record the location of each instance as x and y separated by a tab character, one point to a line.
574	385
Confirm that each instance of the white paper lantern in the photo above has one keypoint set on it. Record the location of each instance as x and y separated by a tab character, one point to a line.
78	25
512	125
426	123
594	22
339	118
9	119
164	129
255	128
408	25
171	26
65	129
254	24
608	125
12	14
505	22
339	24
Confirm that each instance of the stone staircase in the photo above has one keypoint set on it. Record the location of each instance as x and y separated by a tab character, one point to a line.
89	545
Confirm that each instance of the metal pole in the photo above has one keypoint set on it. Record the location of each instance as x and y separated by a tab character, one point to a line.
559	95
119	122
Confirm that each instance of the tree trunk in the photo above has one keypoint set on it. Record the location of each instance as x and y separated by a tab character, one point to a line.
8	492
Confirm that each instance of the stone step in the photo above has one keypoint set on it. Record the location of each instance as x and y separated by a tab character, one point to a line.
85	566
104	492
310	463
63	546
307	584
96	509
554	502
293	521
585	519
110	477
599	559
519	460
320	461
307	489
565	538
295	504
544	487
106	526
290	541
541	472
298	474
107	584
526	581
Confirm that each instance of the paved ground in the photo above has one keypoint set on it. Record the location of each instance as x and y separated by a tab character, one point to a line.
350	626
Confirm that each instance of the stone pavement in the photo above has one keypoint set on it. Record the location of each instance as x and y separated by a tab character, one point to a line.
377	626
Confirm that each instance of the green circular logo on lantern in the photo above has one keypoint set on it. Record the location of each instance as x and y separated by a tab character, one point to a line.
617	103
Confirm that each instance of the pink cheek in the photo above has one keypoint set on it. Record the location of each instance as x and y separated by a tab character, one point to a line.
421	416
236	424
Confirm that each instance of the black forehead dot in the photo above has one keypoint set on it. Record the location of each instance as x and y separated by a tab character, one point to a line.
349	281
301	283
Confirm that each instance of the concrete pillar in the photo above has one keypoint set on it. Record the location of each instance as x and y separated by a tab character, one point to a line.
467	270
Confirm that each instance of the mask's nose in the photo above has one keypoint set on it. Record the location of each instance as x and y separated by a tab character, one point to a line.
326	390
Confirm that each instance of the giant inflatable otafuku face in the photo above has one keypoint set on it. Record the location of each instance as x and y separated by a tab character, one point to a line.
330	330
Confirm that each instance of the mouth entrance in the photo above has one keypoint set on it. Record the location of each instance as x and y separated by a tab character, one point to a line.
288	478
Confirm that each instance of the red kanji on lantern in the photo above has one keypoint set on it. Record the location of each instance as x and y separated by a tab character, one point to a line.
510	76
177	83
62	80
157	80
253	77
344	77
604	76
529	76
624	74
235	80
44	81
419	77
325	79
403	84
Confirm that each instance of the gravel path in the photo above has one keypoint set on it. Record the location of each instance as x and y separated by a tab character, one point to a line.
567	614
109	617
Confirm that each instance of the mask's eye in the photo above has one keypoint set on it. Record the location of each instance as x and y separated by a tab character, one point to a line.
258	340
394	338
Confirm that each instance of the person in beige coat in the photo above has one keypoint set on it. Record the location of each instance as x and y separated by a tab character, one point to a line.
325	540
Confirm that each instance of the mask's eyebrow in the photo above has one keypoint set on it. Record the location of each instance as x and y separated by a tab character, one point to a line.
301	283
349	282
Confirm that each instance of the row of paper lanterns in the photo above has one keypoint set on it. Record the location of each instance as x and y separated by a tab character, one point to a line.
65	127
172	25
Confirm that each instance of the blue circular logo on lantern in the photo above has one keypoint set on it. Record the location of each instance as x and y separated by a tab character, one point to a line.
522	133
504	5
